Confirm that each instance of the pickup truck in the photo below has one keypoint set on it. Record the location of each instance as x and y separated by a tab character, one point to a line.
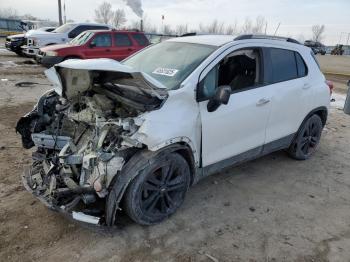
60	35
14	43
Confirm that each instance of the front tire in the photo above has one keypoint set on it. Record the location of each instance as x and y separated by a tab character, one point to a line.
159	189
307	139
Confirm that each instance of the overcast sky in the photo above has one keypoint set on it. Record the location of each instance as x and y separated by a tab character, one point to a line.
296	16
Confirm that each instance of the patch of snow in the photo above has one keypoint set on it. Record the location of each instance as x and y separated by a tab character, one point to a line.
8	64
339	100
3	51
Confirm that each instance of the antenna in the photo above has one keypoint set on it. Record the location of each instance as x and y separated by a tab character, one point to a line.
277	28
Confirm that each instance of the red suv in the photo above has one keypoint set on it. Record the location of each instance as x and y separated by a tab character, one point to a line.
94	44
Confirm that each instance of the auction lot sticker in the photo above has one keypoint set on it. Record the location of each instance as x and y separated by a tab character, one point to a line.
165	71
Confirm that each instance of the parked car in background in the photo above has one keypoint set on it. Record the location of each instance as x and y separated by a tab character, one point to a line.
60	35
95	44
14	43
316	47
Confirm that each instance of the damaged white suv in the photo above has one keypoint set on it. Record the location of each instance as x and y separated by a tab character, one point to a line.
135	135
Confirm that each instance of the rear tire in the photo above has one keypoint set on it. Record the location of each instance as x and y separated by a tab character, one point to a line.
305	143
159	189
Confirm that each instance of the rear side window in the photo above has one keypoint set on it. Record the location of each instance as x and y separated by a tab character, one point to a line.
284	66
140	39
301	66
121	39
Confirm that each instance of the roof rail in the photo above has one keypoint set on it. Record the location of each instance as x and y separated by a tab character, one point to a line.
272	37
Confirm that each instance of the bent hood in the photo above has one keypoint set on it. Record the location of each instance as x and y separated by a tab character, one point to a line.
79	73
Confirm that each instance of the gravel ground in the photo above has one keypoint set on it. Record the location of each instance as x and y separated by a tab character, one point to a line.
270	209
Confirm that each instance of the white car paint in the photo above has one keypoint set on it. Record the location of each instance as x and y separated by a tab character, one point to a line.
246	122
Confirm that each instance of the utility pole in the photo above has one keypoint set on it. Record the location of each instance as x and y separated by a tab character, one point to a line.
64	12
347	41
59	13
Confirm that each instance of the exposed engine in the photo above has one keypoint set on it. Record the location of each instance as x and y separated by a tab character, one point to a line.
82	135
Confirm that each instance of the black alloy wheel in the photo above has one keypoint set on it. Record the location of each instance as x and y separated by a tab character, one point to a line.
159	190
307	139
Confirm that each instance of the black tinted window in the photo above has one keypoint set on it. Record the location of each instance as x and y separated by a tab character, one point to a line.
76	31
122	40
102	40
283	65
140	39
302	69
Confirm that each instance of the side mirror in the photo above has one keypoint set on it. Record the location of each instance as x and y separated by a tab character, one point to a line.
222	96
92	45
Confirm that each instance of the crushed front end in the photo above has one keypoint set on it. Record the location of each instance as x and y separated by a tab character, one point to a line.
84	133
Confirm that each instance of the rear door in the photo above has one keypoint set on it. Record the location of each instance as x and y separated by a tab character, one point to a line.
122	46
100	46
288	79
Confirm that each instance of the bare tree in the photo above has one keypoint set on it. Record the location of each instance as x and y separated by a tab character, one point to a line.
259	26
119	18
231	29
104	13
317	32
8	13
214	27
247	26
181	29
167	30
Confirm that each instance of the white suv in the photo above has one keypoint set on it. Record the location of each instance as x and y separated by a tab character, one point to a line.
60	35
135	135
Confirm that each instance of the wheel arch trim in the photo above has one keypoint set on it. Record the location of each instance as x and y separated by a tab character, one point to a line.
137	162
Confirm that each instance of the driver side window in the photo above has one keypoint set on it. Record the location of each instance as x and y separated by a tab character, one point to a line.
240	70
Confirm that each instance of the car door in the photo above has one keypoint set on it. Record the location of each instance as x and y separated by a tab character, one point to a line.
235	131
292	95
100	46
122	46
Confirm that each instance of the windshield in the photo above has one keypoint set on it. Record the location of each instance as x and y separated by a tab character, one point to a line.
82	38
63	28
170	62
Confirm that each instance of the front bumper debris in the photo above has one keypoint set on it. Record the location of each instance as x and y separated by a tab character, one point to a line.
66	210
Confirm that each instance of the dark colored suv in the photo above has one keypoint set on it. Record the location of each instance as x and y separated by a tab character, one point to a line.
95	44
316	47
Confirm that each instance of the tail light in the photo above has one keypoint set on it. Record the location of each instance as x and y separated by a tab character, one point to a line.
330	85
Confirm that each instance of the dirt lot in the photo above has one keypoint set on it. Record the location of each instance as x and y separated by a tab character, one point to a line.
270	209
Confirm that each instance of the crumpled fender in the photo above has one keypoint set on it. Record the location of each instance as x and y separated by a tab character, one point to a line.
136	163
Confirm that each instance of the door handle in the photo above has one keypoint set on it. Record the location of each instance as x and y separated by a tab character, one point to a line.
262	101
306	86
